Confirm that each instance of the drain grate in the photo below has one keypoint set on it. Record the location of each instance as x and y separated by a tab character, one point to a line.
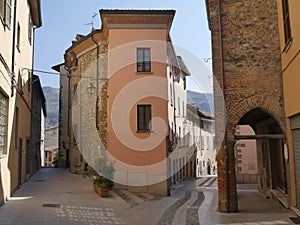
39	180
296	220
51	205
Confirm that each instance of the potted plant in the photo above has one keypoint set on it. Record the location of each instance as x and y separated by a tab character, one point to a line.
102	186
104	175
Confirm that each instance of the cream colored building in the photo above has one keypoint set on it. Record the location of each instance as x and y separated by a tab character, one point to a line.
289	28
17	22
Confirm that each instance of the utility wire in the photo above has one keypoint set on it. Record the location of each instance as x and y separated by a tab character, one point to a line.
62	74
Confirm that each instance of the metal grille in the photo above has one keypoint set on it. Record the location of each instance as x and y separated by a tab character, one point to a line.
296	144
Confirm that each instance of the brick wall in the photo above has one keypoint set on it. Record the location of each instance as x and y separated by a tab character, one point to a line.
247	67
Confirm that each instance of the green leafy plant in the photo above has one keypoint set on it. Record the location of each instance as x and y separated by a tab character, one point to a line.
103	183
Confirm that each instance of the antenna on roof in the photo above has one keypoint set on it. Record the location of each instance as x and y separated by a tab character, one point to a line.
92	23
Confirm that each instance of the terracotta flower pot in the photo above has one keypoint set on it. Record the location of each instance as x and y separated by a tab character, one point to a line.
100	191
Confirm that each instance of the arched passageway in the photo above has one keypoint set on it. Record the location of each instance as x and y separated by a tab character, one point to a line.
271	160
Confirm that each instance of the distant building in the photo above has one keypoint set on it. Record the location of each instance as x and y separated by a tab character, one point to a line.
17	22
246	157
202	137
64	116
50	158
38	113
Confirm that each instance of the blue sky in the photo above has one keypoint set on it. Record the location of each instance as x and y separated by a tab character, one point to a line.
63	19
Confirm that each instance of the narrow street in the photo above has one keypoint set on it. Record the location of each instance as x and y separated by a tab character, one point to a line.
54	196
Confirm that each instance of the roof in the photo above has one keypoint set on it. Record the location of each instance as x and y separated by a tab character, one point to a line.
117	16
35	8
183	67
137	11
57	67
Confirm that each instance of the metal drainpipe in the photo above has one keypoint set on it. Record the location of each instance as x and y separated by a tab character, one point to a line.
13	49
223	86
97	84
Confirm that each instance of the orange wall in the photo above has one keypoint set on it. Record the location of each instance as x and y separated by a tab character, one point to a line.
122	48
291	59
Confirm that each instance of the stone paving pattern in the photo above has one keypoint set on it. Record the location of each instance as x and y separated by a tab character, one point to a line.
56	197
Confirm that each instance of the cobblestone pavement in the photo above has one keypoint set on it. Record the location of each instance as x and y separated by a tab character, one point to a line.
56	197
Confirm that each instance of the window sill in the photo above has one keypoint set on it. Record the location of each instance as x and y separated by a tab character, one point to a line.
287	45
143	73
144	131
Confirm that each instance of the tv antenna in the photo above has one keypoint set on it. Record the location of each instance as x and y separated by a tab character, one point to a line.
92	23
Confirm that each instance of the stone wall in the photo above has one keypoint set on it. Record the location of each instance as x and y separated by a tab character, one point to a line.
88	65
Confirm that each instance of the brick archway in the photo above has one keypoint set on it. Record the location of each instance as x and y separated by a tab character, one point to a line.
268	104
271	107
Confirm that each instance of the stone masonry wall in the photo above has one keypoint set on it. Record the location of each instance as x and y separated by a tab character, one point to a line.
86	71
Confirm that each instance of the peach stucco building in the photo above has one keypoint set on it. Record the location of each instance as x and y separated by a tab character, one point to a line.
122	77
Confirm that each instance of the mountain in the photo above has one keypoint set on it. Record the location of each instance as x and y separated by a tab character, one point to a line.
52	102
205	101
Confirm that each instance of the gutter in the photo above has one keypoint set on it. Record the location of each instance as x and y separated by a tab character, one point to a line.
13	50
97	84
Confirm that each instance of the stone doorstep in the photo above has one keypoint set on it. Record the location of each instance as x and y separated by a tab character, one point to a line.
295	210
137	200
283	198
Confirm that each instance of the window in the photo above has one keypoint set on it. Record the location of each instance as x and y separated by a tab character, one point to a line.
183	112
171	94
74	133
2	6
202	142
143	60
18	36
30	25
178	106
5	12
3	123
286	23
16	127
75	94
208	143
144	117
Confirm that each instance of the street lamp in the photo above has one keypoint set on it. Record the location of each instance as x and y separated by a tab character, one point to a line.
91	88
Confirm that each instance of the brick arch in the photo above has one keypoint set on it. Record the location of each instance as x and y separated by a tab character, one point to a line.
268	104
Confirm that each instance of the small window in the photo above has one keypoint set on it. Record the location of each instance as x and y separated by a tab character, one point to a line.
2	6
75	94
3	123
171	94
286	23
5	12
144	117
18	36
202	142
30	25
143	60
16	127
178	105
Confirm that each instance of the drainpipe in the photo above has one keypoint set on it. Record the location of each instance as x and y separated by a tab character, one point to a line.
223	88
13	50
97	84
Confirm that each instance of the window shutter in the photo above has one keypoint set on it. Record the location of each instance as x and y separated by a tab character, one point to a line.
8	13
2	5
